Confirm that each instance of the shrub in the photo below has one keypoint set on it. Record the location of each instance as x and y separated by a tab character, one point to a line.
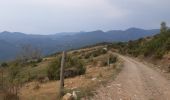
155	46
36	86
39	60
113	59
54	69
167	46
75	63
87	56
104	63
159	54
14	72
11	96
4	64
95	53
73	67
33	65
168	68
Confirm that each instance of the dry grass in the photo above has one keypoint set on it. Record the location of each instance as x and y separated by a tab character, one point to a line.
84	83
47	91
163	65
1	95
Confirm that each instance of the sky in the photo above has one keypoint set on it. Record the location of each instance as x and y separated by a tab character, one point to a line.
54	16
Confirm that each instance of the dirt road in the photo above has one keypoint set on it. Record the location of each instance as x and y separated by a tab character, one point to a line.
136	82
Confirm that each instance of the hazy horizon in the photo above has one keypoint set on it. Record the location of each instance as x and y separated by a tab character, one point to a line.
79	31
57	16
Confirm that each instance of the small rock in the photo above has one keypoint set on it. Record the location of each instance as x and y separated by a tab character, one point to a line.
74	95
77	91
27	85
118	85
71	82
108	86
46	79
73	88
151	77
93	79
68	96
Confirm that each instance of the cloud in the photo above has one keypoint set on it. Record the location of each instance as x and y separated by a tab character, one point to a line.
50	16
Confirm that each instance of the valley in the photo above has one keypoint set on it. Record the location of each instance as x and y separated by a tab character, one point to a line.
11	43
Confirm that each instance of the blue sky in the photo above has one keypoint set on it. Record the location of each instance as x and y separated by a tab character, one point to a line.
53	16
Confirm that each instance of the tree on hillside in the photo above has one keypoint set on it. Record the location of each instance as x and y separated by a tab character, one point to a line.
164	28
4	64
1	78
167	46
29	53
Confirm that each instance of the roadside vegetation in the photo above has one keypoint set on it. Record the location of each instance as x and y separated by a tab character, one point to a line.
155	49
73	67
30	75
156	46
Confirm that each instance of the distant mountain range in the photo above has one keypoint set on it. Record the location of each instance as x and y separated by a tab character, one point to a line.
11	42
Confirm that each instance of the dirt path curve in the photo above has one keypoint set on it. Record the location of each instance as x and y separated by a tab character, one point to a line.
136	82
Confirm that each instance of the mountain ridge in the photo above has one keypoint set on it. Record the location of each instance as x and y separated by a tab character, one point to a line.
57	42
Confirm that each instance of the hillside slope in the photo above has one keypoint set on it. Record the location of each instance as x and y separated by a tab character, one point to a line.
155	49
156	46
40	81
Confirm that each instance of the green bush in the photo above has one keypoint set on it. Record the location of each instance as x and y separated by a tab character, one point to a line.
73	67
39	60
95	53
156	47
113	59
4	64
159	54
54	69
14	72
167	46
75	63
87	56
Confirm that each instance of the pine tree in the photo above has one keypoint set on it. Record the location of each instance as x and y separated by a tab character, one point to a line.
163	27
